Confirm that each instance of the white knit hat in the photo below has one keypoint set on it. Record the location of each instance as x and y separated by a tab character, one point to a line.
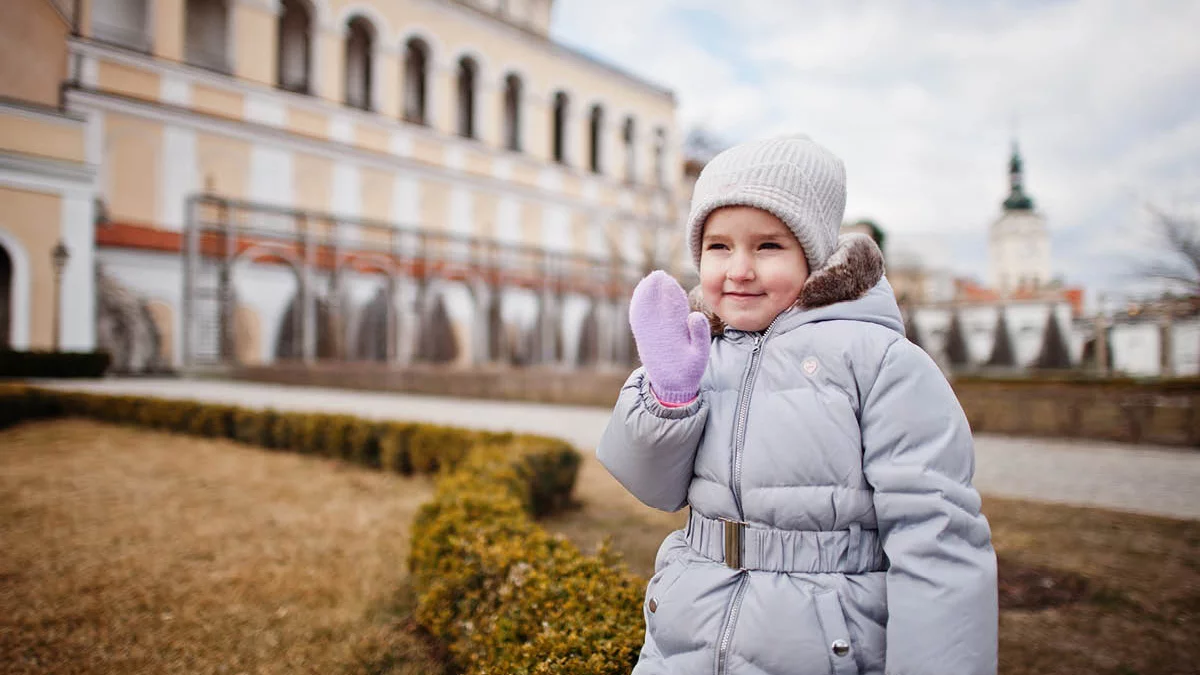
791	177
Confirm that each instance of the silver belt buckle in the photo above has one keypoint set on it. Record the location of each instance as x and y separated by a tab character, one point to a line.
735	540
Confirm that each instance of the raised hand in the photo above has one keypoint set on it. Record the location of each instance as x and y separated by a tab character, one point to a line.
672	343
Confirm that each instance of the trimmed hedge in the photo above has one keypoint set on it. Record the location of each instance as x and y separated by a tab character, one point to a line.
53	364
505	596
502	595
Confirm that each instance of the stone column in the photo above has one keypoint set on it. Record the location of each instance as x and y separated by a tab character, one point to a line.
1102	343
1166	357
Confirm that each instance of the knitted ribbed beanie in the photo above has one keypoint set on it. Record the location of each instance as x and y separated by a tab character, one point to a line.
791	177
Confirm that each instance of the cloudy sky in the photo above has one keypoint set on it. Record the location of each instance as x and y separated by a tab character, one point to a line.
922	98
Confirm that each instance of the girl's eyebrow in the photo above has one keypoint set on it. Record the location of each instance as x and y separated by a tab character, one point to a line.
770	236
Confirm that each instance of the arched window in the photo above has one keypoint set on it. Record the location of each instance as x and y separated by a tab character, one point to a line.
360	48
660	156
416	81
295	46
512	112
6	299
121	22
467	74
558	143
595	138
628	135
206	35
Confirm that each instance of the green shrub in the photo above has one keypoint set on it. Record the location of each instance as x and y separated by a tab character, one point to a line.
53	364
339	435
213	421
432	447
311	434
19	403
281	431
393	447
502	594
363	439
297	431
255	427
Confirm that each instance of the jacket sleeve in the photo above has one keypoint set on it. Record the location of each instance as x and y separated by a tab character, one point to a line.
650	448
919	457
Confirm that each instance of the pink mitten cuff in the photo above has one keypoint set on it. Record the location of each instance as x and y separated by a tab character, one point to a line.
668	404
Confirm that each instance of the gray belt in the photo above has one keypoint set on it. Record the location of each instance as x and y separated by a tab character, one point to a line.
746	547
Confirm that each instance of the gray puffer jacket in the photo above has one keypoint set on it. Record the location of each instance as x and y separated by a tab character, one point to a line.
840	456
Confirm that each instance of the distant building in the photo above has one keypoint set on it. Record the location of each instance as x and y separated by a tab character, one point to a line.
1022	319
376	160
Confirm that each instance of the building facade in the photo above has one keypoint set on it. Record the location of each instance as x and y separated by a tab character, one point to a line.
323	124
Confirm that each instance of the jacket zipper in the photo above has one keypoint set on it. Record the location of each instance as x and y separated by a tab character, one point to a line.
739	441
739	438
730	623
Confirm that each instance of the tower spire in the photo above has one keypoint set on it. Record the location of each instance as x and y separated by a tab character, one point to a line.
1017	199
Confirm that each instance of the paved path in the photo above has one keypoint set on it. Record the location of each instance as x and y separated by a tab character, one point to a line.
1141	478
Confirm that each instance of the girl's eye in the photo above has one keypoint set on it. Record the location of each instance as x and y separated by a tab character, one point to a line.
716	246
770	244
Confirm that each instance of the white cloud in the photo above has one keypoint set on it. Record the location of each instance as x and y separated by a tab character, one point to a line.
919	98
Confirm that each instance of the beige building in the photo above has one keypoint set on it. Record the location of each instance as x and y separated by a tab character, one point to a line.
46	186
455	117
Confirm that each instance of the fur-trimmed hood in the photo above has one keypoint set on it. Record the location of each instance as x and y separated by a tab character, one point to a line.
855	268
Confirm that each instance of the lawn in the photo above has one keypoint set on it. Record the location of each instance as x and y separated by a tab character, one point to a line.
133	551
1115	593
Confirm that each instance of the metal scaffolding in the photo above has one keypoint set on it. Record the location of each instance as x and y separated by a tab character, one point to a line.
221	233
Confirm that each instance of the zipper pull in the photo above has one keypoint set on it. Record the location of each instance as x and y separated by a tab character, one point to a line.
757	343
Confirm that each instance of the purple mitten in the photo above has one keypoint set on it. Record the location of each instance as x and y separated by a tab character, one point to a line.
672	343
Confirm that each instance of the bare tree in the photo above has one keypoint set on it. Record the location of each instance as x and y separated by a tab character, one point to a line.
701	145
1179	240
656	248
653	248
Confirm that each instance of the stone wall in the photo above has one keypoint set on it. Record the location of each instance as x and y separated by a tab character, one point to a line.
1162	412
534	383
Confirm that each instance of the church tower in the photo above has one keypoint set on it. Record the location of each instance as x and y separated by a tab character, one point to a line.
1019	242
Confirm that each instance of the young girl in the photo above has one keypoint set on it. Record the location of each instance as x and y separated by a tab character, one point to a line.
825	459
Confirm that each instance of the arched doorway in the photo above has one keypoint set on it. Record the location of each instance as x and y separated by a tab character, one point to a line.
6	299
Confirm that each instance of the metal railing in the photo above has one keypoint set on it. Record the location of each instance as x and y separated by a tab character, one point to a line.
220	232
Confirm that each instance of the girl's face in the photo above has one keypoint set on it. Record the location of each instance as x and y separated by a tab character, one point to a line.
751	267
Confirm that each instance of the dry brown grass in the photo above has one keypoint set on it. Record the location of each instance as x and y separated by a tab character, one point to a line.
1141	614
129	551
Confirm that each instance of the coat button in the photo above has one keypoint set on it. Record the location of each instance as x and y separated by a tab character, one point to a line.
653	605
841	648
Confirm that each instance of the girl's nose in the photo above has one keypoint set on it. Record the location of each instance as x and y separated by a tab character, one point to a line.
741	267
